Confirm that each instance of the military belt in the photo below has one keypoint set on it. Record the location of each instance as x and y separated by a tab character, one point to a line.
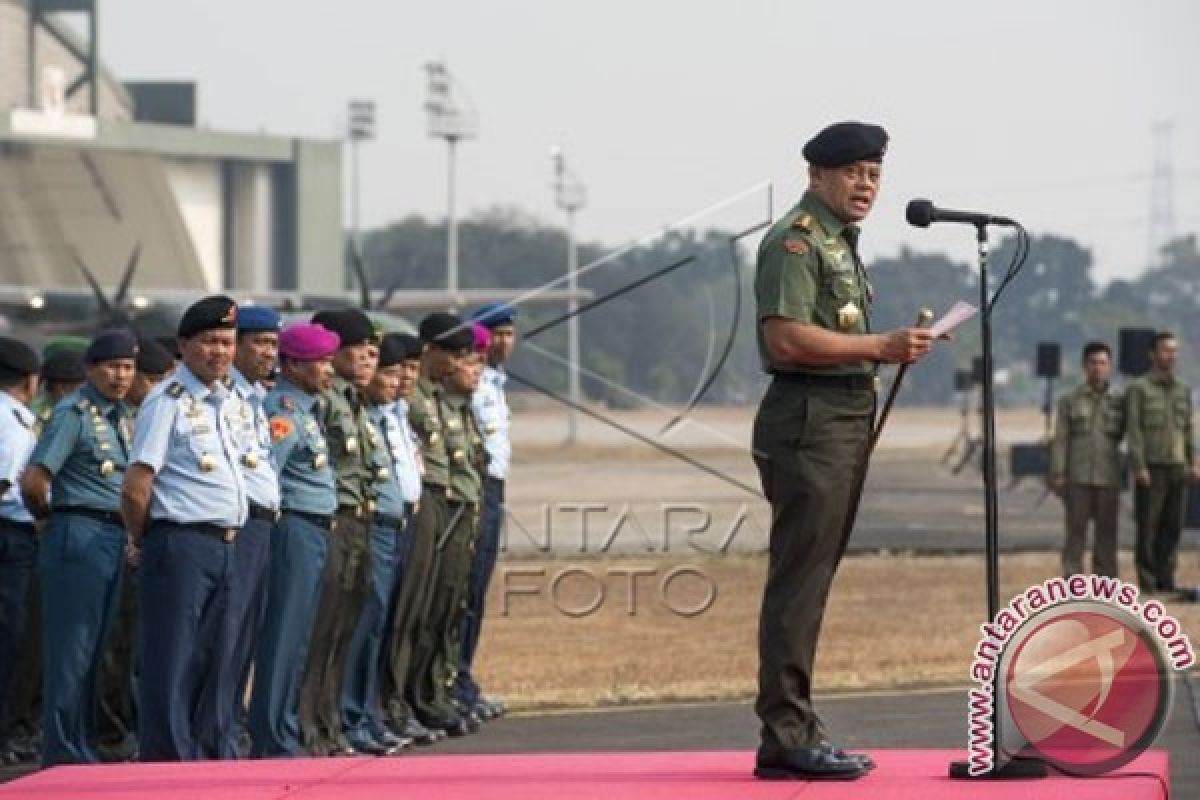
854	383
439	489
263	513
222	532
110	517
363	511
21	527
325	522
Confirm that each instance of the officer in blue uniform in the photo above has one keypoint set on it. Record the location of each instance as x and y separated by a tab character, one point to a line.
298	541
362	718
490	406
80	462
184	501
18	545
254	362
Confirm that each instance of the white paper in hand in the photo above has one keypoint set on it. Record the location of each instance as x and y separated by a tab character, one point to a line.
957	315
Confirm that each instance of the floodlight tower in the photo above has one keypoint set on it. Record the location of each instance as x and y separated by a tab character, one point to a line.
570	196
360	128
450	118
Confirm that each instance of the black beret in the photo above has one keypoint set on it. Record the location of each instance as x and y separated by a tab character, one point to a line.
846	142
446	331
109	345
64	366
17	359
153	358
352	326
411	344
391	350
210	313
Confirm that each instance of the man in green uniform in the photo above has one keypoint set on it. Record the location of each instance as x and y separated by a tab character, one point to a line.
356	455
1162	456
1084	466
440	641
812	430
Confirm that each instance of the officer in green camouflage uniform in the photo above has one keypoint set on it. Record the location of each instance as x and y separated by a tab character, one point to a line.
1085	468
357	455
440	643
446	340
1162	456
812	430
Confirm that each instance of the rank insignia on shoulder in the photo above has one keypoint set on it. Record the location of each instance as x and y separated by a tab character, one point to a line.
803	222
281	428
175	390
796	247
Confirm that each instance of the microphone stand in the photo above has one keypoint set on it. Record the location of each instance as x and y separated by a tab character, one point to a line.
1017	767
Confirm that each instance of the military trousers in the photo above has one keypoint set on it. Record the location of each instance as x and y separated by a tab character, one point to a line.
487	550
18	554
298	550
344	586
809	444
247	604
1159	510
361	720
410	603
1098	505
116	724
80	562
186	637
439	639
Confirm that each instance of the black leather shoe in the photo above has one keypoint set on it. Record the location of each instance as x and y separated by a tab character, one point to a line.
419	734
867	762
819	763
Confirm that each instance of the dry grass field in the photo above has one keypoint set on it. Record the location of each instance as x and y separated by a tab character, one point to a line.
893	621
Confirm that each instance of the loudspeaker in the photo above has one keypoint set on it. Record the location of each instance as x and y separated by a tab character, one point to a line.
1049	360
962	380
1025	460
1133	351
977	369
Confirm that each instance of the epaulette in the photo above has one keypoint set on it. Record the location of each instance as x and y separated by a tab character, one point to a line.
175	390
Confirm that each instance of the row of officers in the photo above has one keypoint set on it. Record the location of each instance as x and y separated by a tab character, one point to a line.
277	545
1154	418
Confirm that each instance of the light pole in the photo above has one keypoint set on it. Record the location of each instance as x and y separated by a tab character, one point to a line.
570	196
452	119
360	128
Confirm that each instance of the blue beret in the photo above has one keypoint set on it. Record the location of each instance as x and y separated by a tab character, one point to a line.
109	345
493	315
845	143
256	319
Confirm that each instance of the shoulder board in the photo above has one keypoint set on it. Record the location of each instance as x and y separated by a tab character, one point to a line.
175	390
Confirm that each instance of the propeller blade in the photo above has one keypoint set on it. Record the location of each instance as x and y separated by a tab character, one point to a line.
88	276
360	273
127	277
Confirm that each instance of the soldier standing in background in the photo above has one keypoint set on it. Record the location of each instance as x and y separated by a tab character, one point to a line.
1084	465
1162	456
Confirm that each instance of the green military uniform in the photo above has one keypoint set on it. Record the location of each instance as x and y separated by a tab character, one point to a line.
435	665
1088	427
426	411
810	436
357	456
1159	409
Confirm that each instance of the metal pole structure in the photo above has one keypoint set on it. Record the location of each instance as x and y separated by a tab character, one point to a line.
574	393
451	220
360	127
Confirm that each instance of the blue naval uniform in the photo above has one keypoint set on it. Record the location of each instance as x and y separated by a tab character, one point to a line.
298	549
362	717
85	449
18	545
189	434
490	407
248	591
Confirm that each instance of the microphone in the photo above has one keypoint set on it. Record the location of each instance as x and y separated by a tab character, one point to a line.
921	212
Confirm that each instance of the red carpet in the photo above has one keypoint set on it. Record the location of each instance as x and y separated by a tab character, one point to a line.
902	775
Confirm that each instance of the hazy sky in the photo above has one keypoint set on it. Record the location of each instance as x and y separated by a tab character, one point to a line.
1038	109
